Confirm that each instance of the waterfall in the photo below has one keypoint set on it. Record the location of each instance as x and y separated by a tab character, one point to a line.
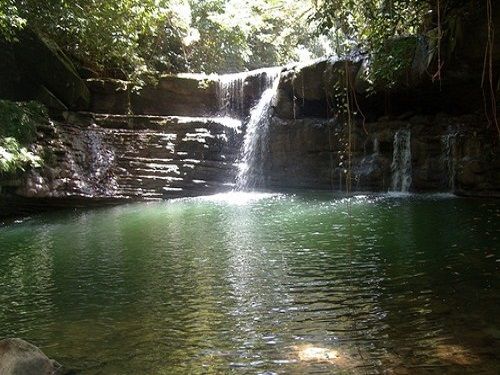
250	174
448	158
401	161
230	94
230	89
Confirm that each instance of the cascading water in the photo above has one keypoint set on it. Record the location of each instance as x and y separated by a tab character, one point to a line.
448	158
230	94
230	90
401	161
250	174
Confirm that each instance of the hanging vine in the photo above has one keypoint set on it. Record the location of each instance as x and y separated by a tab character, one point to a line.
487	82
437	74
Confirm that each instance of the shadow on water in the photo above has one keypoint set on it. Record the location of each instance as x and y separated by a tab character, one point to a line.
267	283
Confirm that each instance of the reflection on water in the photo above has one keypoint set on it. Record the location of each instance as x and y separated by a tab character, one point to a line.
260	284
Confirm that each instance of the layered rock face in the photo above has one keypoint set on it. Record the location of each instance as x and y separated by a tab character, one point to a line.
131	147
164	141
198	95
184	135
406	146
125	157
446	153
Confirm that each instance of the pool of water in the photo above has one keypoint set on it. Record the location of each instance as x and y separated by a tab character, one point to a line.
260	284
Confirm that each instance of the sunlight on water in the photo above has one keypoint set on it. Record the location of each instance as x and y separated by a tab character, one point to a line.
238	198
260	283
313	353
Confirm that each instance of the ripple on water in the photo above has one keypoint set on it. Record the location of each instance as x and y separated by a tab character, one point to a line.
260	283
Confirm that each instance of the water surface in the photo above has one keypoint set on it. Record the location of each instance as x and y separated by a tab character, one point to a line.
260	284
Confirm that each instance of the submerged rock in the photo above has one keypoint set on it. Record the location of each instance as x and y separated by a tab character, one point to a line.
18	357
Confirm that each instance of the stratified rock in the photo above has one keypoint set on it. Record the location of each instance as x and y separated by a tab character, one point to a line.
18	357
312	153
122	157
176	96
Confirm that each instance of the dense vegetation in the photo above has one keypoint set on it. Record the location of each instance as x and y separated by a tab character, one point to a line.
144	36
147	36
17	131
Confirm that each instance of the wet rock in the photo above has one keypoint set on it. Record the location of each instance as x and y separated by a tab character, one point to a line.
312	153
18	357
137	157
283	105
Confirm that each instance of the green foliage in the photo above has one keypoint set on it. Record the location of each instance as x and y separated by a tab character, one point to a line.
392	61
382	28
143	37
236	35
17	130
10	21
122	34
14	157
19	120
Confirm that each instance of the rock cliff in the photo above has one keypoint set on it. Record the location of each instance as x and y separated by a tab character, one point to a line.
183	136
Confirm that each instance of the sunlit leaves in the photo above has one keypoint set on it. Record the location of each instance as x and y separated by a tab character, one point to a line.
369	26
10	20
14	157
141	37
17	130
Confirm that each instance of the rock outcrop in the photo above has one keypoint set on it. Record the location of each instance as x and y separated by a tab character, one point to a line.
120	157
448	154
34	68
18	357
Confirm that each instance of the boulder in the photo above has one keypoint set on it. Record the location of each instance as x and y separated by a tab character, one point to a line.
312	90
18	357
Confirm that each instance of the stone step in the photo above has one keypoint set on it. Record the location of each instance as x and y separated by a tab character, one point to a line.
145	161
142	122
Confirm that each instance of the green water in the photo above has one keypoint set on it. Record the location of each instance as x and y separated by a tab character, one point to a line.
245	284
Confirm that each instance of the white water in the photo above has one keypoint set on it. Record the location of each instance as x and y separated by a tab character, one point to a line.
250	174
401	161
231	90
230	94
449	143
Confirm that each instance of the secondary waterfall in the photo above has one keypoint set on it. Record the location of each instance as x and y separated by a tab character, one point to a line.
255	141
448	158
401	161
230	94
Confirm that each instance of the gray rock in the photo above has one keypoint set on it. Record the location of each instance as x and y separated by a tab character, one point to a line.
18	357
